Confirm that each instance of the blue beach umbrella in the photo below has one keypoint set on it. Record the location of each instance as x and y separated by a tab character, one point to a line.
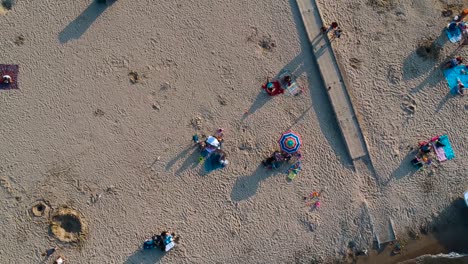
290	142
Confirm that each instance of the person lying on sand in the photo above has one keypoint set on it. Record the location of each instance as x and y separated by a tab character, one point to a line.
454	62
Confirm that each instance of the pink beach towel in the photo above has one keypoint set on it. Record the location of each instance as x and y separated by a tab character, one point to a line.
440	153
11	70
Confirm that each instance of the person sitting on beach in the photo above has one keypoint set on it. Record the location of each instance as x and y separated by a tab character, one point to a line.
460	88
273	88
333	25
6	79
336	34
273	161
454	62
425	148
287	80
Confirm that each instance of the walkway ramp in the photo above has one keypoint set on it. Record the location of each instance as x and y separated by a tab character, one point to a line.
333	80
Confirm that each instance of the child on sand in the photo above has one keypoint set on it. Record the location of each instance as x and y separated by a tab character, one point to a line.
460	88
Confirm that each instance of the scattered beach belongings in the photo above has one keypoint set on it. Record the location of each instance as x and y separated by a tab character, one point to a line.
68	225
134	77
49	252
441	147
313	200
9	74
290	142
59	260
165	241
454	32
293	171
289	84
447	13
457	79
40	208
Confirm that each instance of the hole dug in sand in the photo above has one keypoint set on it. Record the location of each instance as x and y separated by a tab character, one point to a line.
40	209
68	225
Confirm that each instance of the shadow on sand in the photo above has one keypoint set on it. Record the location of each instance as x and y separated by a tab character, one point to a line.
305	62
406	168
145	257
424	57
247	186
451	226
78	27
191	155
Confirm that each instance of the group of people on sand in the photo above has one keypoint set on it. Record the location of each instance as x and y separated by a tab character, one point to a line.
458	22
336	30
211	147
424	155
164	241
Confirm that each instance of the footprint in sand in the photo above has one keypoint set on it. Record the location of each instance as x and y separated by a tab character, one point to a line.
409	105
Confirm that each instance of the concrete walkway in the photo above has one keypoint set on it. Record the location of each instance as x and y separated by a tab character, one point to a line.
333	80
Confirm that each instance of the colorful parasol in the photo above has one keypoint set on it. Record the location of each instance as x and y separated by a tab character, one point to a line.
290	142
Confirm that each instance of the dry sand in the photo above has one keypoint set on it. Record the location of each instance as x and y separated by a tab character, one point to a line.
79	129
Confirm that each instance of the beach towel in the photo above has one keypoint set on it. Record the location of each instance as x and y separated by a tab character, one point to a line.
454	35
449	154
12	70
440	153
453	74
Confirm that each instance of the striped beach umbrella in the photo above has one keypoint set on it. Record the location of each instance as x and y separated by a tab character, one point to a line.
290	142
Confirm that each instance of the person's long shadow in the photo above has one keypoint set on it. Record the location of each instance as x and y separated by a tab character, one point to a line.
78	27
306	62
261	99
444	100
423	59
405	168
247	186
191	155
145	257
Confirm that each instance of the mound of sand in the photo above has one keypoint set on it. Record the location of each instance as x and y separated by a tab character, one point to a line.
68	225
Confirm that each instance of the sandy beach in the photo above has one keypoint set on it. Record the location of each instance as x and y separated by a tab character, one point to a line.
80	133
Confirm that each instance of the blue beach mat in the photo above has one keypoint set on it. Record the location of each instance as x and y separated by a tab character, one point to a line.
447	147
454	35
453	74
